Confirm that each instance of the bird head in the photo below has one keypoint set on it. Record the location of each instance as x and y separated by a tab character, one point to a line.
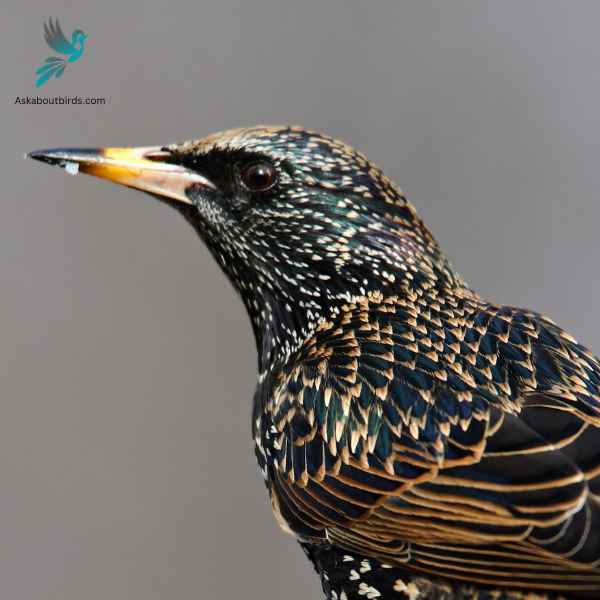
78	37
301	223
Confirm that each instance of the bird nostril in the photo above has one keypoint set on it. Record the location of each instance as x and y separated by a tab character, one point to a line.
160	155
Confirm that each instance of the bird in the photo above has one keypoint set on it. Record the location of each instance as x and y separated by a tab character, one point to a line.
54	66
419	441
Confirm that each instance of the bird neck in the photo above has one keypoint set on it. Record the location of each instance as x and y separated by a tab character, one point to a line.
388	261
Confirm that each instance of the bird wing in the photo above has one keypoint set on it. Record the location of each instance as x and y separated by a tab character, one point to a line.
56	39
447	433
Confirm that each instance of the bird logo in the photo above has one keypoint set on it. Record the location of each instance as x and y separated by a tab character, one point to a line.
54	66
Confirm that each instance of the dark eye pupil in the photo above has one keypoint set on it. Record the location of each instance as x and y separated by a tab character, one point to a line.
259	177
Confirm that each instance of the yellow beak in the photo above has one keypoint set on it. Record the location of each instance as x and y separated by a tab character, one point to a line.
143	169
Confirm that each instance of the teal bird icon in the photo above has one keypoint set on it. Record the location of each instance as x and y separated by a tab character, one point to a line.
54	66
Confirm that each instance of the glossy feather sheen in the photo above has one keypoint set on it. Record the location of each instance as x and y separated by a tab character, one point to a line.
443	433
421	442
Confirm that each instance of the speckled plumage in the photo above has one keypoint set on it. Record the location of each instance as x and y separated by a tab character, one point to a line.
421	442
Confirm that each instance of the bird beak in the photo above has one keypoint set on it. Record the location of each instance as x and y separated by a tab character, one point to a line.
145	169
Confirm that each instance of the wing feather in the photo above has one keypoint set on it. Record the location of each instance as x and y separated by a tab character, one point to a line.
458	437
55	38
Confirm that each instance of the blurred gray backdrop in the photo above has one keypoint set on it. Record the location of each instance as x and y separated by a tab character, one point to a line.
126	463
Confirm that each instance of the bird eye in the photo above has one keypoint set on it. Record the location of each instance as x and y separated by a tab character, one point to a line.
259	177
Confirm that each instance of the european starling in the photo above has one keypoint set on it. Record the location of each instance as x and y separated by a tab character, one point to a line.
418	440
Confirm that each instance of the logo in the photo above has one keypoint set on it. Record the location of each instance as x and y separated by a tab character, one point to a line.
54	66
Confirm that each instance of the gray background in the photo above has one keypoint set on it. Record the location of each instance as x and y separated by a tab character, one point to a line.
126	361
